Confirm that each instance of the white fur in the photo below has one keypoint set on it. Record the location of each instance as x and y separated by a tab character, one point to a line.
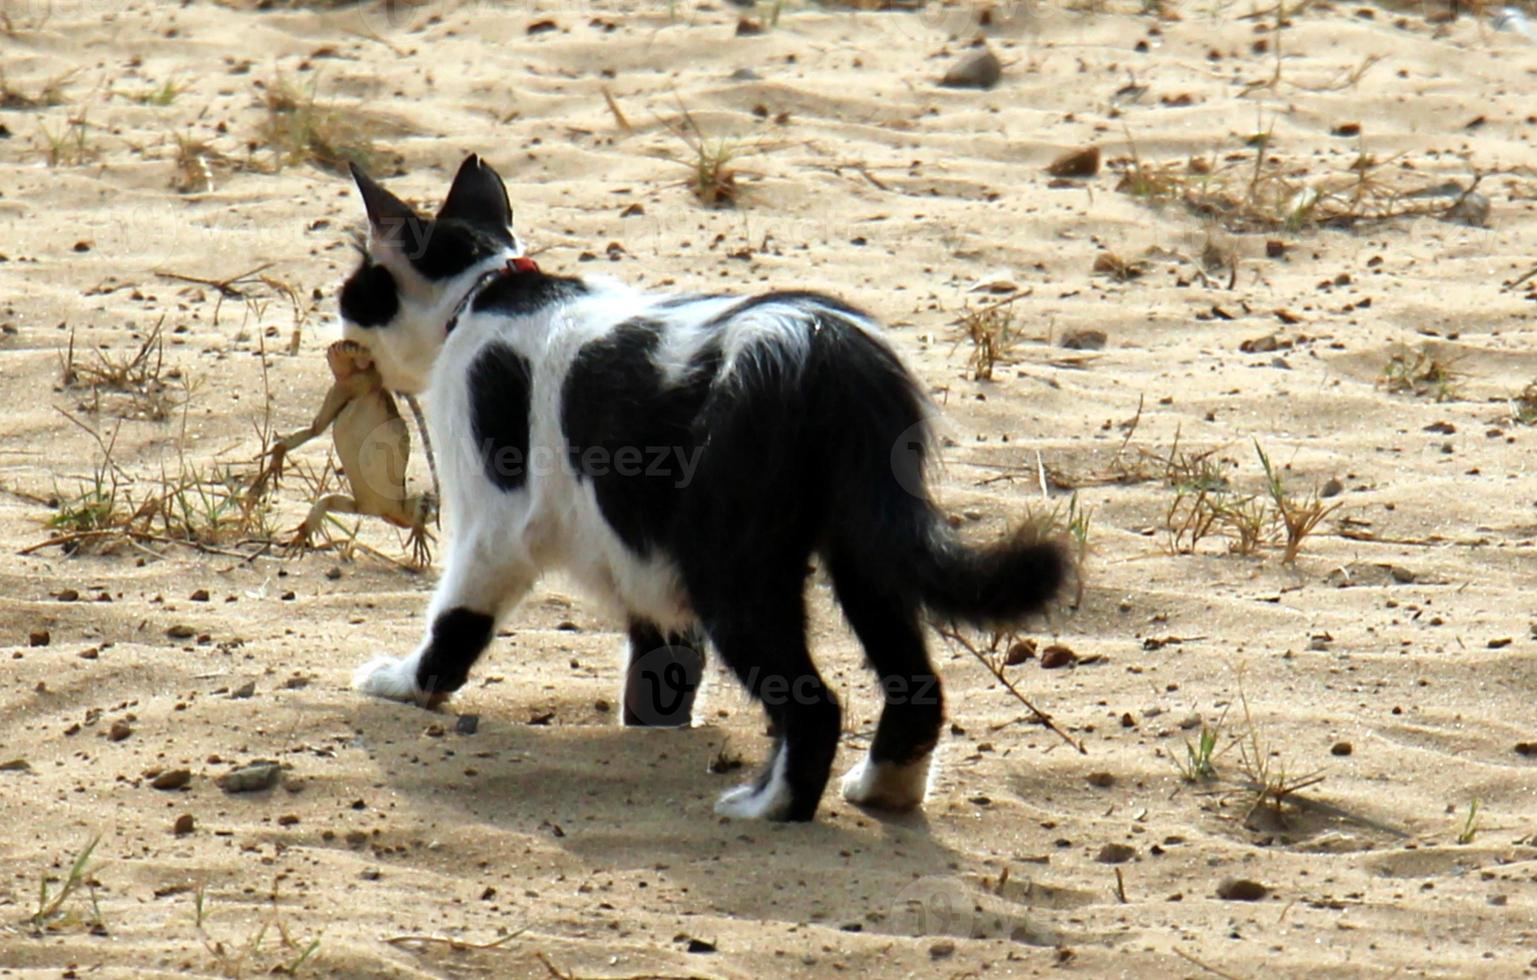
502	542
886	785
772	802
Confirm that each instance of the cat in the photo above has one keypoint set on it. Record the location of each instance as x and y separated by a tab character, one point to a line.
684	458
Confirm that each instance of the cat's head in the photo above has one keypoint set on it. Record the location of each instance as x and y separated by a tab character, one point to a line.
415	270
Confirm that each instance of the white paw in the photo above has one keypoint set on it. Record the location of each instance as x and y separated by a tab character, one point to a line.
748	802
387	677
887	786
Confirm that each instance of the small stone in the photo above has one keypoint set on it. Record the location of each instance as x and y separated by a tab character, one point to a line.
181	631
356	838
602	707
288	820
467	724
1076	163
1275	249
1084	340
67	595
1019	652
243	691
433	730
200	595
700	946
334	572
981	69
1103	780
184	825
15	765
1341	748
1241	890
1472	209
120	730
942	949
1189	722
1128	720
39	638
1526	748
1331	488
250	779
747	27
1115	854
1056	656
172	779
371	874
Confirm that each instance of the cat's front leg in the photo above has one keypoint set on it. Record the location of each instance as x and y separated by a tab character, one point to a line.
478	587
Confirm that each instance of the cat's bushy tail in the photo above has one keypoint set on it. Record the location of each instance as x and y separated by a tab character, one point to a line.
885	524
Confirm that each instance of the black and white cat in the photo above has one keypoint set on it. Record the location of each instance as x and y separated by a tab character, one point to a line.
683	457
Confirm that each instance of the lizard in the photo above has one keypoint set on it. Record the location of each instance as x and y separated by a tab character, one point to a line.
373	445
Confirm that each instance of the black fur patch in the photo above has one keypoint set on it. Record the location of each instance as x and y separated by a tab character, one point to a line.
449	247
500	389
521	293
631	433
458	638
369	297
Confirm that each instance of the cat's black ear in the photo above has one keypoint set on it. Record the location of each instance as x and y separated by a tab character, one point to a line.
478	197
392	221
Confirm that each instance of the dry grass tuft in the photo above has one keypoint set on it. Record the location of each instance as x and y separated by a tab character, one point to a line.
1420	372
298	129
992	331
150	387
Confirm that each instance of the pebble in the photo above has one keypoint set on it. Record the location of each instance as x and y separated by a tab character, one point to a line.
1241	890
120	730
1471	210
1341	748
1115	854
981	69
467	724
250	779
243	691
201	595
15	765
1101	779
1526	748
942	949
1019	652
184	825
39	638
1076	163
181	631
172	779
1056	656
1084	340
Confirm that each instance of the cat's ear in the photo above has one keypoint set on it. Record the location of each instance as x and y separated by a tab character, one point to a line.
478	197
393	225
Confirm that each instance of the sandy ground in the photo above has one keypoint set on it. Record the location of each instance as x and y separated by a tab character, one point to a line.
592	851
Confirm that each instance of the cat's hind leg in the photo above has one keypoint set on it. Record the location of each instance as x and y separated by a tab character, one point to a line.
894	774
477	588
662	675
761	633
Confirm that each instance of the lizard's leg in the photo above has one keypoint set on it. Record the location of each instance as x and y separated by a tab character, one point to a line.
422	510
480	584
331	503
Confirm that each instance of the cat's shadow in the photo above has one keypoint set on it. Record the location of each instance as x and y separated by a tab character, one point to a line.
637	804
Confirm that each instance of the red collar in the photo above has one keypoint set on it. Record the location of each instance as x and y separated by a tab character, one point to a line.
520	264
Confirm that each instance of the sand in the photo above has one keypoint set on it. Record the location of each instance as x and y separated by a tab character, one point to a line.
1403	629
